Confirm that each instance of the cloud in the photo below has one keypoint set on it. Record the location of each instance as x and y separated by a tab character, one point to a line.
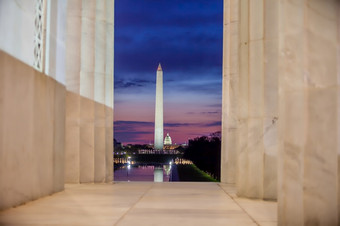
202	87
133	131
132	125
127	125
212	124
132	137
210	112
121	83
178	124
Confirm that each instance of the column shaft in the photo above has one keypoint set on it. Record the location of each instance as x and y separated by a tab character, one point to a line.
230	92
243	106
99	92
89	81
72	64
109	89
255	120
87	105
270	120
308	165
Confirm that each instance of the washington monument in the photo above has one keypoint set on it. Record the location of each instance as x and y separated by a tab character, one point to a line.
158	142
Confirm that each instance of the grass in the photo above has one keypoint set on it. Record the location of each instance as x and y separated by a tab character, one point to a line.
192	173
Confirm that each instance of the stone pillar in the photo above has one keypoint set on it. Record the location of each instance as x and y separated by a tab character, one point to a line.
89	81
99	92
109	89
72	130
250	97
250	155
51	38
338	120
270	111
308	112
242	159
230	92
87	117
255	101
55	40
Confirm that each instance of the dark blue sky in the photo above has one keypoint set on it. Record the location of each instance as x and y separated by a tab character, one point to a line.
186	37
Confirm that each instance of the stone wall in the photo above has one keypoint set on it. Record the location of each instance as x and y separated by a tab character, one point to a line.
32	125
50	133
89	141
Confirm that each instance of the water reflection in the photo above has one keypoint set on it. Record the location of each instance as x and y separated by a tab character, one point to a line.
130	172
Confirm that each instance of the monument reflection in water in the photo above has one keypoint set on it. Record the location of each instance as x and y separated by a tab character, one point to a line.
143	173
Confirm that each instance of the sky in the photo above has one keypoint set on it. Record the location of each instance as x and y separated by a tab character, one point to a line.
185	36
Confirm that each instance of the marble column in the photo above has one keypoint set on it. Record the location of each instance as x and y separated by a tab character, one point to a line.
230	92
250	96
87	106
55	39
99	92
242	159
270	111
252	108
250	155
308	112
72	130
89	81
109	89
51	38
255	146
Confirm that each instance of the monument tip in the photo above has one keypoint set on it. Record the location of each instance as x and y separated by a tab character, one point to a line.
159	67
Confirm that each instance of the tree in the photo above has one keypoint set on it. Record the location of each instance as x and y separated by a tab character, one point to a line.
205	153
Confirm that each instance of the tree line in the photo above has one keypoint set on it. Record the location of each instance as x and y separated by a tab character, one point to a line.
205	153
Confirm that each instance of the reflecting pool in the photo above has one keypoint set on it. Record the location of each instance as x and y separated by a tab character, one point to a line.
135	172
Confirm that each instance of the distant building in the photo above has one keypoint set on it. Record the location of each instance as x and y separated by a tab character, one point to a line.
167	140
168	146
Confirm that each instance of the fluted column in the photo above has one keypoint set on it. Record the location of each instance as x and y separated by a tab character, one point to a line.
309	99
242	154
99	91
87	63
72	64
89	81
270	111
109	89
256	104
230	92
256	99
73	45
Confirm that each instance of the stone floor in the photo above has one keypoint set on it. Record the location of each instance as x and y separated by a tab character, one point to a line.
143	203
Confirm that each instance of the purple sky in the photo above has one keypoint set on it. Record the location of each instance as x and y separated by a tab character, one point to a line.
186	37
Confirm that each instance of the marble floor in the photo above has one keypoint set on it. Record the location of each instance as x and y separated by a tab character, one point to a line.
144	203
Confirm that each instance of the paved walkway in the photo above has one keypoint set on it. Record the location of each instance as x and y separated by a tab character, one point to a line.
143	203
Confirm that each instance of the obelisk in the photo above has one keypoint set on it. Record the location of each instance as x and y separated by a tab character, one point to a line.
158	142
